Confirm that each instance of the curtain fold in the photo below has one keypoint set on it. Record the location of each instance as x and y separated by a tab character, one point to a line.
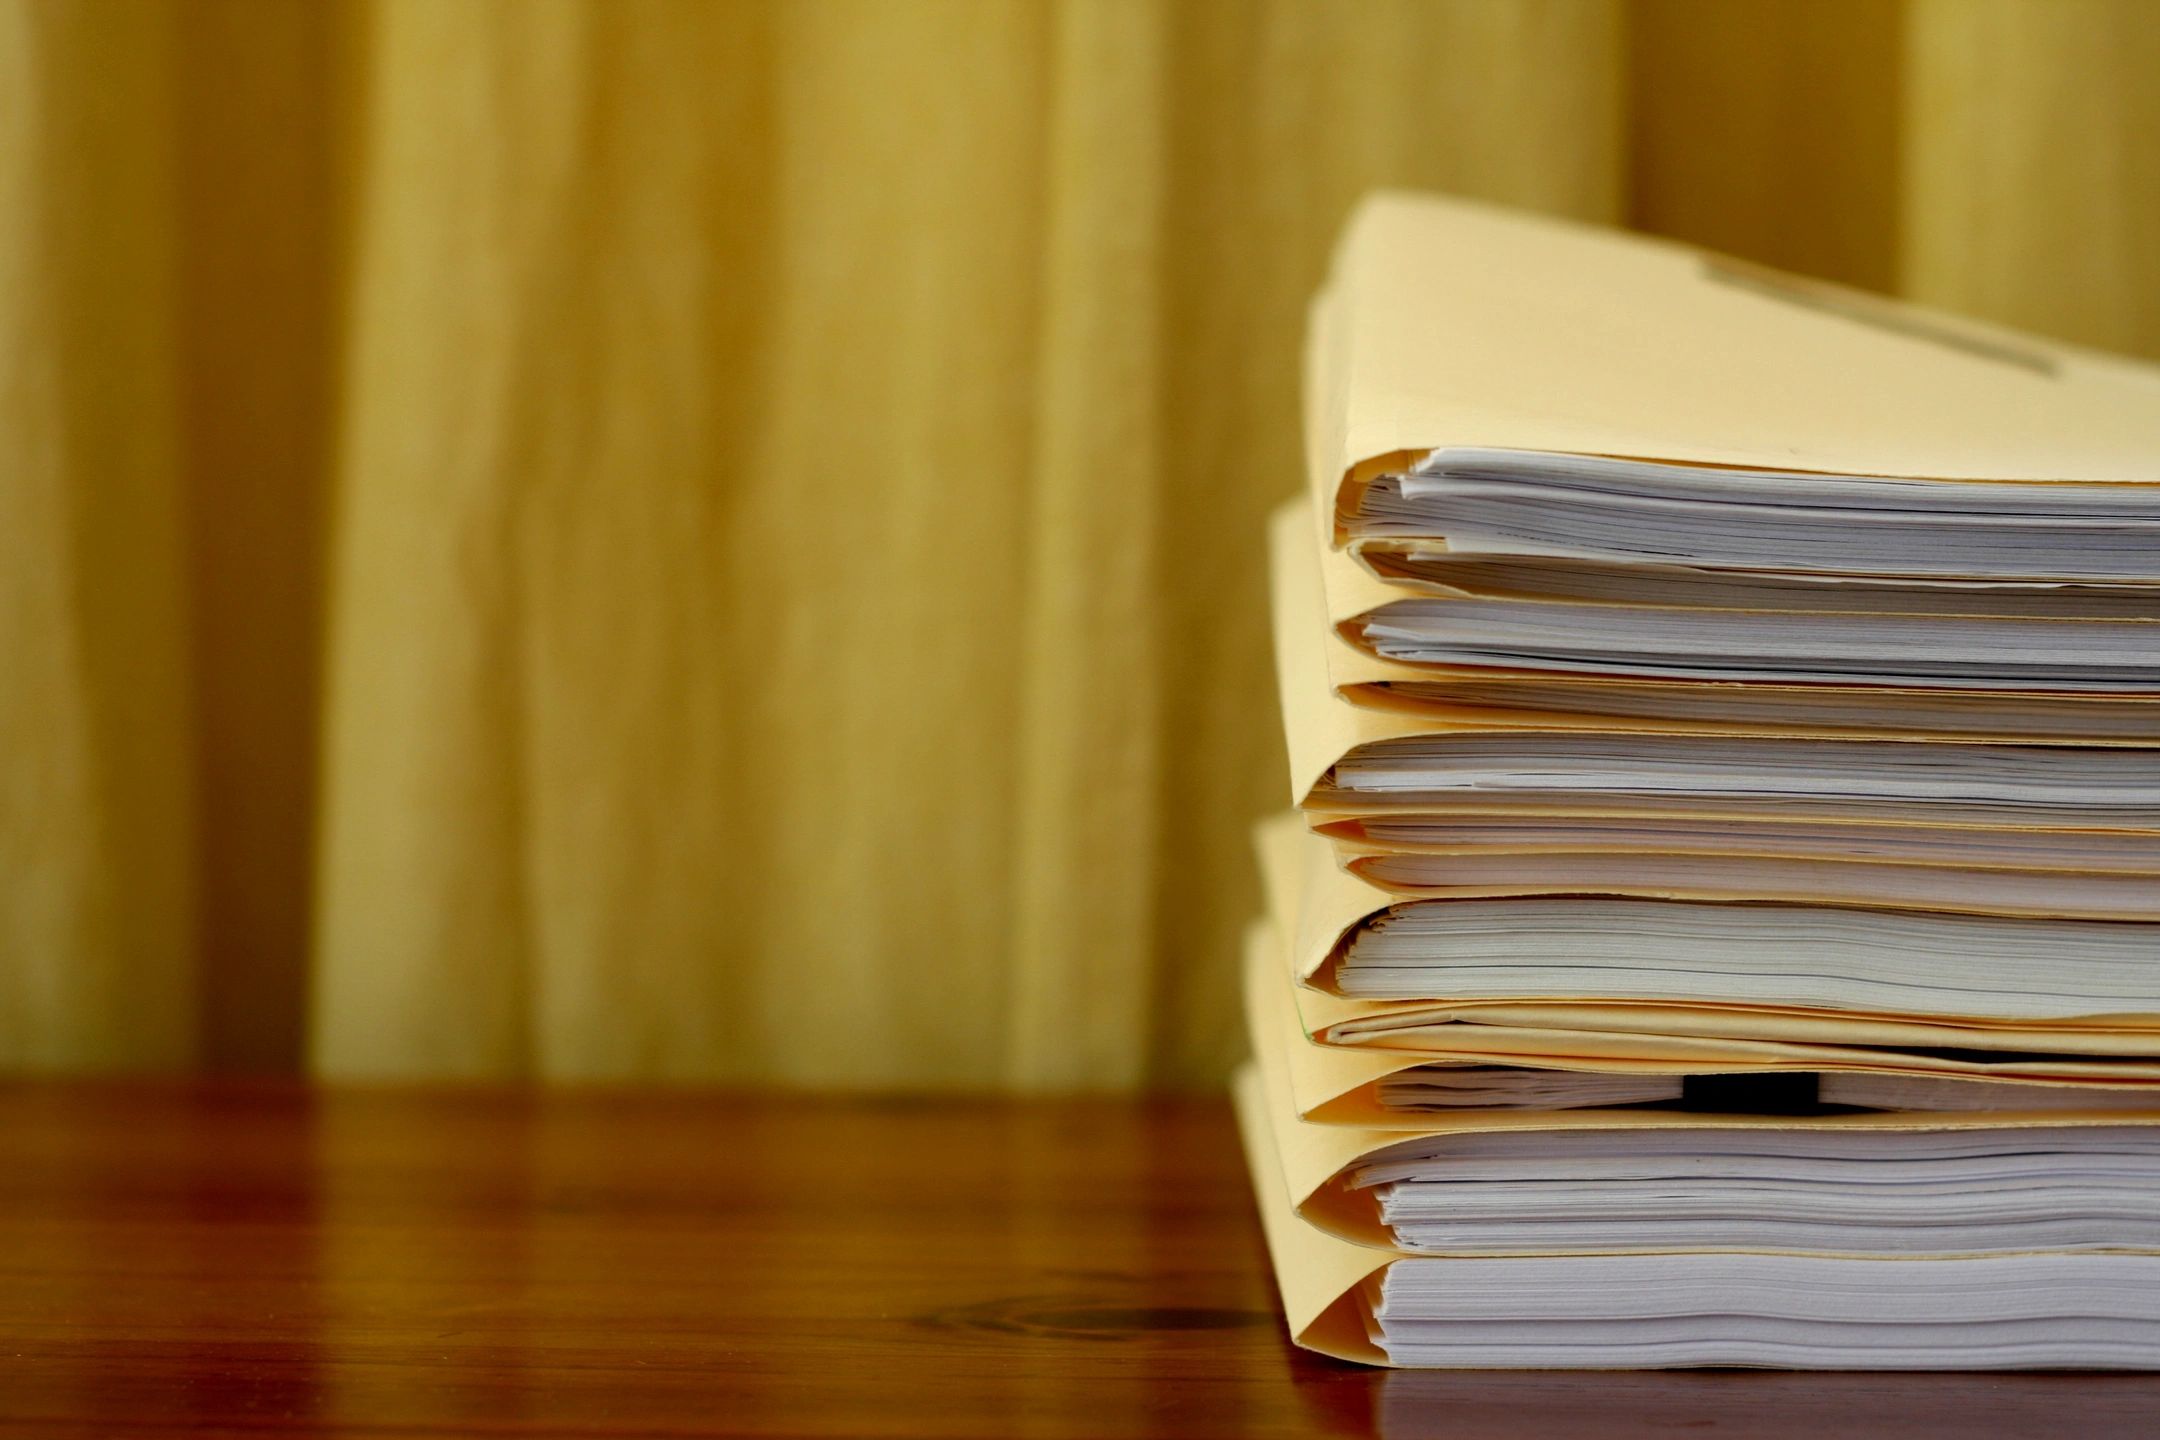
256	92
96	851
652	539
1087	724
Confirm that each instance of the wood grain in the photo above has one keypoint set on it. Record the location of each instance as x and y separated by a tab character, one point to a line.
220	1259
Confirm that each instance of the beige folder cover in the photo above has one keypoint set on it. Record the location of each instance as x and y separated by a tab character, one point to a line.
1339	1084
1865	881
1314	666
1319	906
1324	1279
1321	729
1317	1156
1322	597
1356	847
1318	1275
1449	322
1329	1084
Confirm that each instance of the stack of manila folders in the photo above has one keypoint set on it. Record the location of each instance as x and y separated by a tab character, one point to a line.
1720	921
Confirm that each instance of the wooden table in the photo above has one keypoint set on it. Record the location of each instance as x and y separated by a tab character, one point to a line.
238	1259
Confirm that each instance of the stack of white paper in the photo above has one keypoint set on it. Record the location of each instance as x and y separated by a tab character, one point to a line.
1518	503
1610	1311
1723	924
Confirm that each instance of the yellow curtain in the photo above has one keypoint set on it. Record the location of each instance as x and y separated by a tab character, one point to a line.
720	541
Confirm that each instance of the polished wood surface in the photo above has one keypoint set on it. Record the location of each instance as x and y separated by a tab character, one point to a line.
230	1259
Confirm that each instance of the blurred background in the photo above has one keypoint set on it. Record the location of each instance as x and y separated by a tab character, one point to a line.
721	541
